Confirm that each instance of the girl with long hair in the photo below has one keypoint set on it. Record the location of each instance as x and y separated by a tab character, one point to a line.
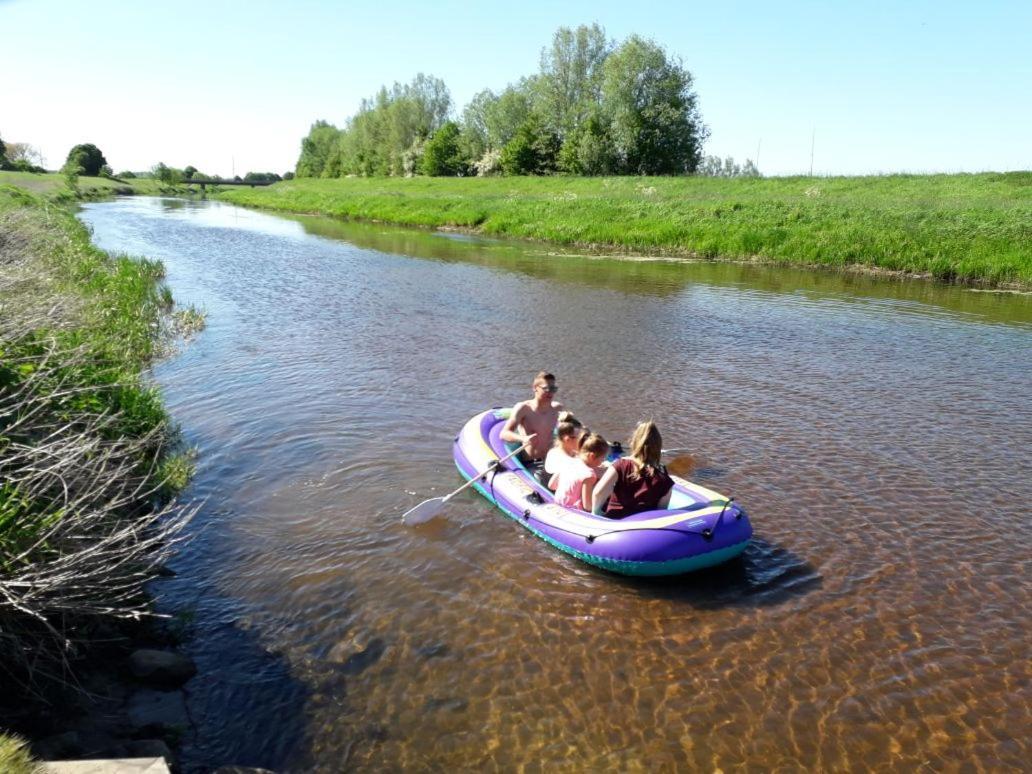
637	482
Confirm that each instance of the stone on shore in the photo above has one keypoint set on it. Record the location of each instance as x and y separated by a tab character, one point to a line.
109	766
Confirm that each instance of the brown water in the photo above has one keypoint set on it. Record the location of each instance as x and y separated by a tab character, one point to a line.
877	431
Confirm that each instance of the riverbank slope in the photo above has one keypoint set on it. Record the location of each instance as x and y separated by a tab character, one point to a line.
54	186
88	461
959	228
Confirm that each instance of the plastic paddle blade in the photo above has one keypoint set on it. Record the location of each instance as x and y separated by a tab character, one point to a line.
425	511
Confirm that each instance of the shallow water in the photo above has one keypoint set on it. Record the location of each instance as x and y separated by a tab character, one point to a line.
878	432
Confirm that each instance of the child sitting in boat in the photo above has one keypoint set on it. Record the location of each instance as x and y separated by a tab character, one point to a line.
577	479
638	482
567	439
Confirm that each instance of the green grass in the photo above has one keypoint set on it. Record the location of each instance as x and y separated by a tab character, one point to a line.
15	757
53	186
965	228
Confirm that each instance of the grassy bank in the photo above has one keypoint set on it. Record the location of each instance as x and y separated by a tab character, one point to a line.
85	461
53	186
966	228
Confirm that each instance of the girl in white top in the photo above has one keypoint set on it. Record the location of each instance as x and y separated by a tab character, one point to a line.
577	479
567	439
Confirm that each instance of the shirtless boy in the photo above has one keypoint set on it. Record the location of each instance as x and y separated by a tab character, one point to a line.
537	416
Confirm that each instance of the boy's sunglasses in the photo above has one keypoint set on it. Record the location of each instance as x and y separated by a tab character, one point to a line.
549	387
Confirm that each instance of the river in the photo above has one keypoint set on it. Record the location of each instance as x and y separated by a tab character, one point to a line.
877	431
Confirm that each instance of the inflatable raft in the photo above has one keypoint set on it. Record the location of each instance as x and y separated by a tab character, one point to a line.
699	529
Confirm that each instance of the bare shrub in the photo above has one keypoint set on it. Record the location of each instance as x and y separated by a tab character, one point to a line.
82	524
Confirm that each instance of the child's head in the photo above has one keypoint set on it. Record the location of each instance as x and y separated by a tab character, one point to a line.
593	449
568	432
647	444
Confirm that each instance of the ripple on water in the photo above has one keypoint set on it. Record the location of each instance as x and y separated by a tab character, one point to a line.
877	433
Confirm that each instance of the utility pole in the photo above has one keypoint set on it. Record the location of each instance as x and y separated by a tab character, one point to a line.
813	139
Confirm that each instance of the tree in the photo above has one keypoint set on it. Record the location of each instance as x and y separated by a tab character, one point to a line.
442	155
23	152
654	120
91	159
167	175
73	167
474	138
3	151
505	115
262	177
189	172
570	84
588	150
534	150
387	134
316	149
714	166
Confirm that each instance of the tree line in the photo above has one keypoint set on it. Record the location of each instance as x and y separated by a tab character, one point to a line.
594	107
86	159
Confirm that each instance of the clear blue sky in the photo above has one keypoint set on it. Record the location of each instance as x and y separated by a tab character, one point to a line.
885	86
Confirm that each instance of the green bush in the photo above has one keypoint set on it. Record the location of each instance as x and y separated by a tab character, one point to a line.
442	156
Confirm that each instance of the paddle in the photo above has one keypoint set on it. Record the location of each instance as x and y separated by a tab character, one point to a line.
427	509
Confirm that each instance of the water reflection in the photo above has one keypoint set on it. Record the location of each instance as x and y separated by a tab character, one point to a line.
876	431
664	275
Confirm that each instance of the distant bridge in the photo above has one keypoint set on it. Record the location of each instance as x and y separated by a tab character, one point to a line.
216	181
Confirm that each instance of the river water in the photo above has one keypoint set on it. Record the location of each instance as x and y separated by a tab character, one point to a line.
877	431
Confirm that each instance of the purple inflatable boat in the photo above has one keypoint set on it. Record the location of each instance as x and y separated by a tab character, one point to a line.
700	528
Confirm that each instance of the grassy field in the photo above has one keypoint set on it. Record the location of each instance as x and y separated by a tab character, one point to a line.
53	185
965	228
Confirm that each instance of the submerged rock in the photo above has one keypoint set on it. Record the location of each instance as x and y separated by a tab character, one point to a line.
356	655
161	667
157	711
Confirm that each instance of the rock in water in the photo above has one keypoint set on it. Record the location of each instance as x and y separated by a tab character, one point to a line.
160	667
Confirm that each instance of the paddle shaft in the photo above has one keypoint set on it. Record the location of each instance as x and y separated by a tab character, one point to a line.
494	464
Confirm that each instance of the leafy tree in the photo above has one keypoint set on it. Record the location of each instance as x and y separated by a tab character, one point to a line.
167	175
654	120
23	152
488	164
73	167
262	177
3	150
288	175
714	166
385	136
570	85
316	149
534	149
189	172
588	150
127	175
442	155
511	110
91	159
474	139
106	171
